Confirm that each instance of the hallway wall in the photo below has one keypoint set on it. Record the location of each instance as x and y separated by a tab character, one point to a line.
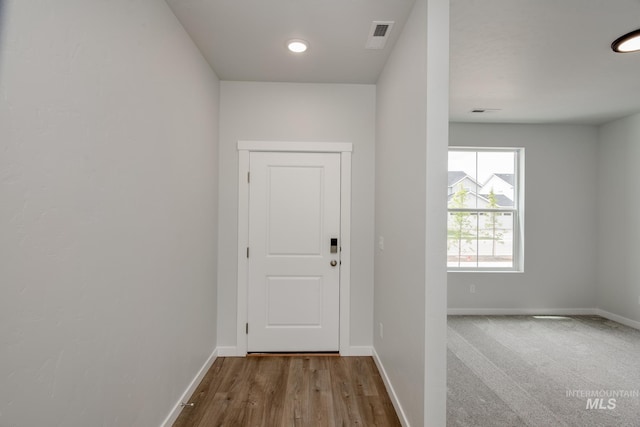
618	290
300	113
411	158
108	204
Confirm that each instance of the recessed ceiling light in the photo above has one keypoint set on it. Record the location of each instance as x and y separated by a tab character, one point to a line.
297	45
630	42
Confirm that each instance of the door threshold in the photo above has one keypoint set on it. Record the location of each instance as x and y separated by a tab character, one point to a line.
294	354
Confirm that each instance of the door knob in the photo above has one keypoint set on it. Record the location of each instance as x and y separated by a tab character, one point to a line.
333	263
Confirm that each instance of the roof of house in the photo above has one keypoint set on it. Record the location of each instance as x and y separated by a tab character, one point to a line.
503	201
506	177
455	176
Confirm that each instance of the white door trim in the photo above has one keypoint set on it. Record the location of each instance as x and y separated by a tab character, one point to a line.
296	147
244	149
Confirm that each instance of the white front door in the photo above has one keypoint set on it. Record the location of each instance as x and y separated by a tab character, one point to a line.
294	274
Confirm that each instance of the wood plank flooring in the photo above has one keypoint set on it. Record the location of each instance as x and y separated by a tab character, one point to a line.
284	391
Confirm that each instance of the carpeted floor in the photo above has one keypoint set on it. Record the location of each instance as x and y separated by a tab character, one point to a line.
512	371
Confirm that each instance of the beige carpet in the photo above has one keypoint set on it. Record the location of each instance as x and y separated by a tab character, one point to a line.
581	371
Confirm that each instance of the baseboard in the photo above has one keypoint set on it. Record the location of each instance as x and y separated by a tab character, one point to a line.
228	352
620	319
177	408
544	312
521	311
351	351
392	393
358	350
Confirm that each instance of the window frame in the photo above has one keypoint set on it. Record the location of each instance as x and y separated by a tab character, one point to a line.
517	212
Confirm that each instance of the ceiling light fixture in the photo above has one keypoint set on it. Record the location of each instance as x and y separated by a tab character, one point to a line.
297	45
630	42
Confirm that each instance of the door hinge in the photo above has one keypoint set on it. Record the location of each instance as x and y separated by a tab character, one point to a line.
248	177
246	328
247	251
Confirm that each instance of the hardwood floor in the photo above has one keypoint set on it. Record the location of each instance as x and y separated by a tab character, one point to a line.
284	391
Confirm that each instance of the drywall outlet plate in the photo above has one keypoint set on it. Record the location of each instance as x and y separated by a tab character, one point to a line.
381	330
472	288
381	243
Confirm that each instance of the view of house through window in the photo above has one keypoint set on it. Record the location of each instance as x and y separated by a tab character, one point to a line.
483	201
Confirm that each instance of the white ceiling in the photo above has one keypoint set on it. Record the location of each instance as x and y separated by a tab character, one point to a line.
543	60
537	61
245	39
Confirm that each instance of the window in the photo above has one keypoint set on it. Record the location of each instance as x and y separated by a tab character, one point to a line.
485	199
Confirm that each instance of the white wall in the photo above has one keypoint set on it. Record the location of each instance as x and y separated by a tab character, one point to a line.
619	218
107	215
435	398
299	112
560	220
410	278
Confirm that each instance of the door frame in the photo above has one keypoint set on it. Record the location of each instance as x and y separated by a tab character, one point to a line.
245	148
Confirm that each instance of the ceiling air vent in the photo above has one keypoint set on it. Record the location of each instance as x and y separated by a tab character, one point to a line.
485	110
381	30
379	34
